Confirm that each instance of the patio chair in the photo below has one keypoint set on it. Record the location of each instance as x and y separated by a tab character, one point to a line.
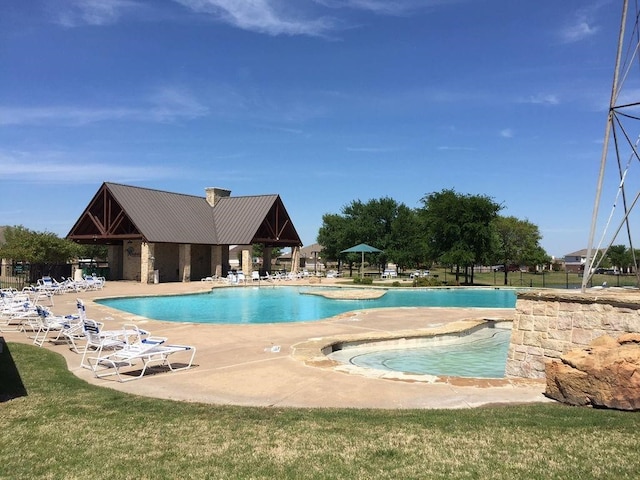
98	339
48	322
93	282
17	318
17	310
49	285
151	351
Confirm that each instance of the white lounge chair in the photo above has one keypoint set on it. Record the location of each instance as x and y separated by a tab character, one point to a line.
45	284
93	282
151	351
16	311
98	339
48	322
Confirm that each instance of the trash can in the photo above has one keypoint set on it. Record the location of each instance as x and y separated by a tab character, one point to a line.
156	276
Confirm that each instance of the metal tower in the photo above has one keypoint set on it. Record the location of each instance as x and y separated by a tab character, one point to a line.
620	152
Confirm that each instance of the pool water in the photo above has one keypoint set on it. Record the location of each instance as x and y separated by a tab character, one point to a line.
481	354
240	305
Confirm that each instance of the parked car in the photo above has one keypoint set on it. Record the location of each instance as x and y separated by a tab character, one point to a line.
510	268
605	271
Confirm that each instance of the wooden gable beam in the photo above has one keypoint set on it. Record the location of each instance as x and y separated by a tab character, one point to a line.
275	227
104	219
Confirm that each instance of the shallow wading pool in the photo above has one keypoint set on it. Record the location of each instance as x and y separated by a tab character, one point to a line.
480	353
276	304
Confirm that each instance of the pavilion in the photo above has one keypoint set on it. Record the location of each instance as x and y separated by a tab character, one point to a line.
159	236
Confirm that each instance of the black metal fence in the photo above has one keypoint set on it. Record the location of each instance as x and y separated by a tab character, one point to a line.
21	275
16	282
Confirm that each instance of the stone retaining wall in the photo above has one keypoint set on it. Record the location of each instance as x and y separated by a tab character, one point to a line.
548	324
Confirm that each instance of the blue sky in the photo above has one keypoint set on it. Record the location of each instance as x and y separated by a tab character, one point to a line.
321	101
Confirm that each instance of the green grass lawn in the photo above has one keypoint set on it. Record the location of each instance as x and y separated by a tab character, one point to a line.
65	428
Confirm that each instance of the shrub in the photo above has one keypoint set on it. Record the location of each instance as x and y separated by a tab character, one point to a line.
426	282
363	280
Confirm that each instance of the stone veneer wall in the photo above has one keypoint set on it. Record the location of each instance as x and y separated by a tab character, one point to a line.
548	324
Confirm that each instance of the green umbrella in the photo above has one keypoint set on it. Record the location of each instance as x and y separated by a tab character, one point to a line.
362	248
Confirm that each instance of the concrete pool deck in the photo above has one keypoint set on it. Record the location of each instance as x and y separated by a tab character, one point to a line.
277	365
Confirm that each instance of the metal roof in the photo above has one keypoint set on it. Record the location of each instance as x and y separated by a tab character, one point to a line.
166	217
237	219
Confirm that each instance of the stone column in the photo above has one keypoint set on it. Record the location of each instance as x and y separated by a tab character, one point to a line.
216	261
295	259
147	262
247	263
5	268
184	262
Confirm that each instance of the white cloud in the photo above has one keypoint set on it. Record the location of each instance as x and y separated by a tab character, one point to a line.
263	16
583	25
55	167
579	31
164	105
543	99
61	115
456	149
506	133
93	12
272	17
171	103
385	7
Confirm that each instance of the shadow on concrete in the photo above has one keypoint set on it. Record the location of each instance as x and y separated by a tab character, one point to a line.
11	385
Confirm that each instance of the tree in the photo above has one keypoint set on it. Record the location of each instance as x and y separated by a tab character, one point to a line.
43	249
257	251
406	246
458	228
382	223
620	257
92	251
518	243
22	244
332	235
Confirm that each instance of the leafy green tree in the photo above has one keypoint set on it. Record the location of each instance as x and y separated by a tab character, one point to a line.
257	251
22	244
94	252
406	243
459	228
382	223
333	235
518	243
620	257
537	256
41	249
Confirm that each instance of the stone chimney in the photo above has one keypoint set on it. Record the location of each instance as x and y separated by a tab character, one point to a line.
214	194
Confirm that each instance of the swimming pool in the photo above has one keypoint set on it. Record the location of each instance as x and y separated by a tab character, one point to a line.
251	305
481	353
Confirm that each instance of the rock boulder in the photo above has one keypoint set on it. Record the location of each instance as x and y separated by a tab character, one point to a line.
605	374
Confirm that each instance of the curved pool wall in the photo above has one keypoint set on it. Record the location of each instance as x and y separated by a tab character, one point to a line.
278	304
479	352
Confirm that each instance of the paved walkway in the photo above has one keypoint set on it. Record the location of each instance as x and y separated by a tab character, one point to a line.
276	364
